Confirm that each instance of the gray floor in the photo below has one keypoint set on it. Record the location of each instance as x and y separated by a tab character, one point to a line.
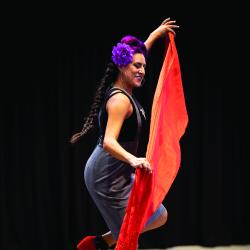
233	247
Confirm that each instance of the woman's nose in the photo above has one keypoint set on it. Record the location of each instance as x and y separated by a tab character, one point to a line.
142	71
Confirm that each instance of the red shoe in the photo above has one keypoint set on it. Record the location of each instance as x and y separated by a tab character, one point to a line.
87	243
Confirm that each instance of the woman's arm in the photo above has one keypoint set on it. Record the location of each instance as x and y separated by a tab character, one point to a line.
119	108
166	26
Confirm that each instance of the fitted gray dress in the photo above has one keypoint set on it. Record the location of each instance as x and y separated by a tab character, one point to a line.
109	180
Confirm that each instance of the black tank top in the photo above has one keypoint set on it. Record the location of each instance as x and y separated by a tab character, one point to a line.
129	130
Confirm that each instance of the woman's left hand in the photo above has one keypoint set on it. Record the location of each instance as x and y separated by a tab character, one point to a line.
166	26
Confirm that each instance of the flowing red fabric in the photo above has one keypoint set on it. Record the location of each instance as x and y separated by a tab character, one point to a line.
168	123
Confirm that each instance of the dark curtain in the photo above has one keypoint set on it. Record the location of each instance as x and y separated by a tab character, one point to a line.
54	64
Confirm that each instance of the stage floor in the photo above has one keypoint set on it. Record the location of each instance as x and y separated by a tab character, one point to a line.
232	247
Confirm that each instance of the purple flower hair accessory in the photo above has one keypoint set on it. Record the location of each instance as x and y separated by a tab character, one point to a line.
122	54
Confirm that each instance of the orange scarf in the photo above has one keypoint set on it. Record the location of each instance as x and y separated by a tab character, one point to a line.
168	123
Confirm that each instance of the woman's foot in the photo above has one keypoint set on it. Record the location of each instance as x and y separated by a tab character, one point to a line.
92	243
87	243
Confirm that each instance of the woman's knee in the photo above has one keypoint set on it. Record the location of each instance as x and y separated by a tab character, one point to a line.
163	218
160	221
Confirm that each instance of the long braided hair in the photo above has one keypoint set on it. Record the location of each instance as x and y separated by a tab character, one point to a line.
110	75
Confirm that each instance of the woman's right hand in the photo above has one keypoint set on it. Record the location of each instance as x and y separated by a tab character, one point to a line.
140	162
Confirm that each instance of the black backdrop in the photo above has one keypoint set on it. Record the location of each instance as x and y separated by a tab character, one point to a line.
54	61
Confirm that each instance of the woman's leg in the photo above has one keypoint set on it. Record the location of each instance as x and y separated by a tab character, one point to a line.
91	242
158	222
109	239
155	223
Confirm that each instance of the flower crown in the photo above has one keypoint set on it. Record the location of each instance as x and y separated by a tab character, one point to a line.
122	54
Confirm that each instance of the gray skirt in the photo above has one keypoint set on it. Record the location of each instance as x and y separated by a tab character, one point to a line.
109	182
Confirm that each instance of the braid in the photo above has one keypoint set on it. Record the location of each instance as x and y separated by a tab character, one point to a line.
109	77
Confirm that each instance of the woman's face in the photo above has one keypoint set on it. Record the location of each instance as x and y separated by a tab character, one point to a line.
133	73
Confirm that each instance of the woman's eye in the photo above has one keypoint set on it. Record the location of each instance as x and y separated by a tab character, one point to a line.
137	65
